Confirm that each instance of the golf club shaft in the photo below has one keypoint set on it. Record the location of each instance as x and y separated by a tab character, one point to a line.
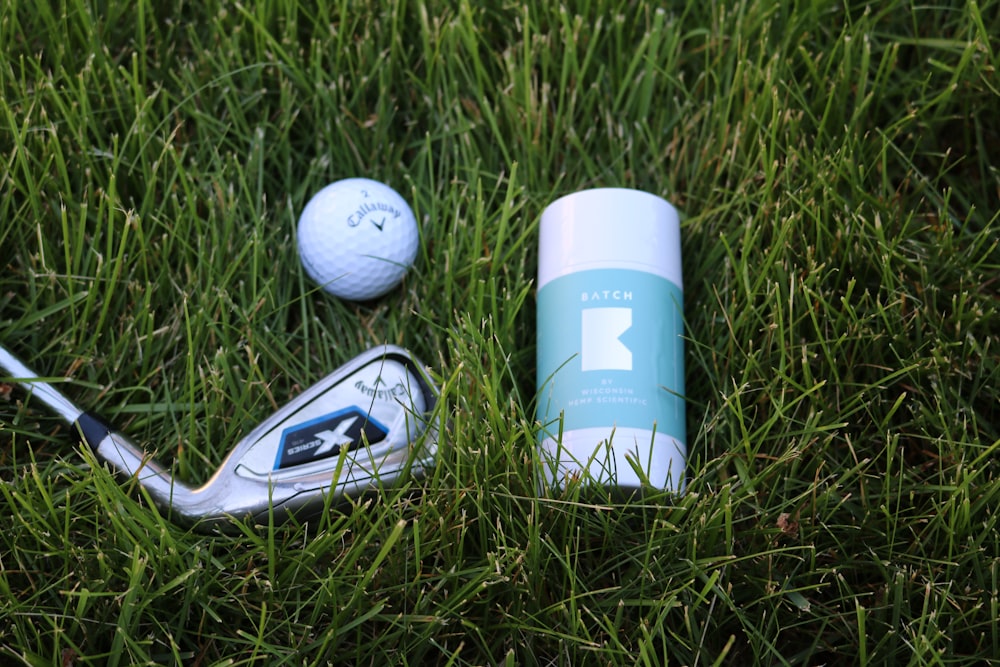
107	444
38	388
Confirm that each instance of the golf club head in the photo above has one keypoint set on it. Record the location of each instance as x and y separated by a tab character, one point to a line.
351	433
361	428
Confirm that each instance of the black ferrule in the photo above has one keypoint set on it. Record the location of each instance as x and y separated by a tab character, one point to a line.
92	429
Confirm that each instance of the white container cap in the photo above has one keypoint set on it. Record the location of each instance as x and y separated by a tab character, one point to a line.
609	228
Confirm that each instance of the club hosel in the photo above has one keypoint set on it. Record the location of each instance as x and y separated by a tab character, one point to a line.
132	462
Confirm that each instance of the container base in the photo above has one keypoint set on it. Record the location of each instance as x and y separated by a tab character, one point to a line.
630	460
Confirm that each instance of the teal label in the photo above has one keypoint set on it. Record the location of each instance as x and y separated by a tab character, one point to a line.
611	352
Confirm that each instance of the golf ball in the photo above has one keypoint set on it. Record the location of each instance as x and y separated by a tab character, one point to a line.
357	238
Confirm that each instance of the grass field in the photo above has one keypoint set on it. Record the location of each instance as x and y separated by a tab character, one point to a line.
836	166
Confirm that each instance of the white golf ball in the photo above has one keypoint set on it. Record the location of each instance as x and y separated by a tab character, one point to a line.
357	238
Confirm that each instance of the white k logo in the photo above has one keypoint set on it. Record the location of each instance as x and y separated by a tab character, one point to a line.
602	351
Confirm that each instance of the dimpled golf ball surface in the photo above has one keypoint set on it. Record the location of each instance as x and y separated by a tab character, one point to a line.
357	238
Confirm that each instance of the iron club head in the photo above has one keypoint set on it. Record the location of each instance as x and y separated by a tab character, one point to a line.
351	433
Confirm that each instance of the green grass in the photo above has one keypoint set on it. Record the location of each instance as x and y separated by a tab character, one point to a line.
836	167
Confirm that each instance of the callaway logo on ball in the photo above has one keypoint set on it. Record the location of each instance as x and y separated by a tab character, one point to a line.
346	255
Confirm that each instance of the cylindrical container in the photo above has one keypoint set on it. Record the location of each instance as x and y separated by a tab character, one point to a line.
610	347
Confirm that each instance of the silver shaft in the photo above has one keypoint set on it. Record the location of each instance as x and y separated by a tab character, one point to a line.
39	389
113	447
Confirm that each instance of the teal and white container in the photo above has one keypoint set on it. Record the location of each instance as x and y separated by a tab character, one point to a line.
610	340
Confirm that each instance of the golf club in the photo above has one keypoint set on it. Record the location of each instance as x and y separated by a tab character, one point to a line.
349	434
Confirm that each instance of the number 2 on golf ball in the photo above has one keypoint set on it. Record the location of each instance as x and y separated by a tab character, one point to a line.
357	238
